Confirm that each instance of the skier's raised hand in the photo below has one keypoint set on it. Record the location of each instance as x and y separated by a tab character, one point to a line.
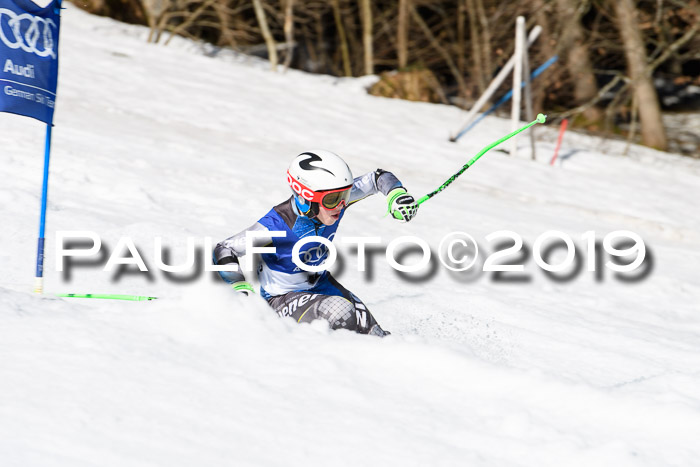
402	206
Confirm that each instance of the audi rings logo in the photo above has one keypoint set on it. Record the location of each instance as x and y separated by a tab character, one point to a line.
38	37
314	255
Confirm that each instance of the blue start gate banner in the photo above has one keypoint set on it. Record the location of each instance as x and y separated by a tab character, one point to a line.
29	58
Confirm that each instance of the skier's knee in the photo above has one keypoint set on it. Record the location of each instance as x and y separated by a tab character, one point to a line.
339	312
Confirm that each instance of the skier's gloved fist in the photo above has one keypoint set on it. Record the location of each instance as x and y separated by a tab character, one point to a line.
402	205
243	288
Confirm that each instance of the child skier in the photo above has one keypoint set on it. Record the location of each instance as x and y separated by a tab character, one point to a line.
323	187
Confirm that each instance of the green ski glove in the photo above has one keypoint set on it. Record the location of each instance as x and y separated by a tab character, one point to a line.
401	205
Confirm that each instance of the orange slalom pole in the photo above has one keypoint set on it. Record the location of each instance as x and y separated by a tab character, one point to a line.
562	129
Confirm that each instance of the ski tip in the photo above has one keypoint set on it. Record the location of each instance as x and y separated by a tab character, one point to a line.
541	118
132	298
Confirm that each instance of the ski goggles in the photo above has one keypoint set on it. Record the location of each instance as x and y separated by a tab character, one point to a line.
329	199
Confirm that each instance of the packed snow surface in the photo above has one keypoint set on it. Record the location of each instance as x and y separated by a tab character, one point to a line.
189	141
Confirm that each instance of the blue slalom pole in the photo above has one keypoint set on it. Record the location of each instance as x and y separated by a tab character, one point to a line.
39	279
39	276
507	96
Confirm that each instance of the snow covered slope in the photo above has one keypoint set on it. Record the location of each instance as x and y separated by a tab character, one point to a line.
185	141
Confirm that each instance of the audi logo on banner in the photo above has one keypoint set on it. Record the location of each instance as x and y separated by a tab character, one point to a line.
38	36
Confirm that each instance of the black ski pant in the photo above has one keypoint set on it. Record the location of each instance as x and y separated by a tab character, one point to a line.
330	301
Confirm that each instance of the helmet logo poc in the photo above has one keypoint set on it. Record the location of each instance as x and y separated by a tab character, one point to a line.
299	189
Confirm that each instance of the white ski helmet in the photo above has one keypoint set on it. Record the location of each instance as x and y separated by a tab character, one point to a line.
319	177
